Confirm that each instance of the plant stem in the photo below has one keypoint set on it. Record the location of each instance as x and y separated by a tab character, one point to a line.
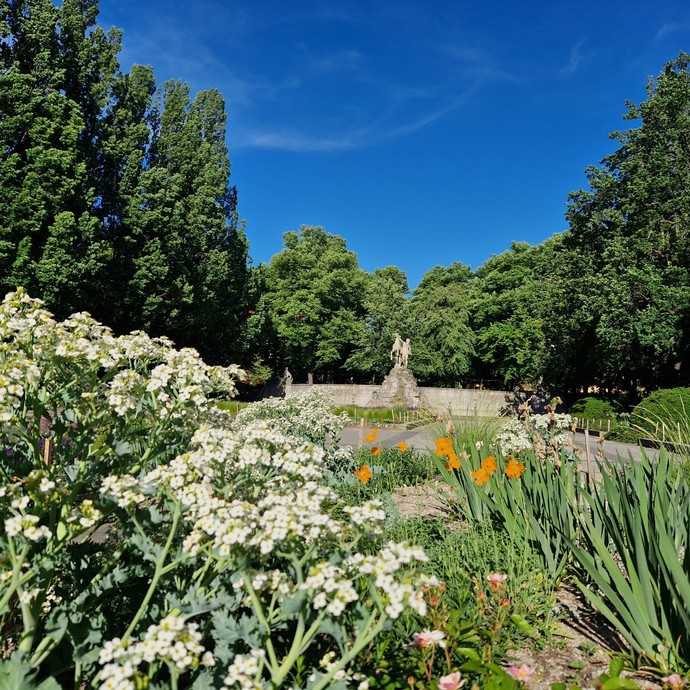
259	611
28	621
158	572
371	630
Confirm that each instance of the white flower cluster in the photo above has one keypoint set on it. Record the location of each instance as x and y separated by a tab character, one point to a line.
370	515
172	642
275	519
552	430
308	416
551	422
222	509
26	525
329	661
256	492
126	390
536	432
384	566
330	587
513	437
124	490
245	671
86	515
16	373
269	580
36	346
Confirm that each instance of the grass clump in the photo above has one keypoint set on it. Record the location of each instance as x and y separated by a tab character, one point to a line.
390	468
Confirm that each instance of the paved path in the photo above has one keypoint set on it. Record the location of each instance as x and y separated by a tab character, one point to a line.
612	450
422	438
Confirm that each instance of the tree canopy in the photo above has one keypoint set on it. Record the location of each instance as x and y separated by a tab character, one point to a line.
115	198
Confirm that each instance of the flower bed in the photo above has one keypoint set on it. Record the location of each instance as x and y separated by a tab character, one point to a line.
150	537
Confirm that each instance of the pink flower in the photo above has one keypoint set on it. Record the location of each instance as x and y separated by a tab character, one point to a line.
428	638
496	580
452	681
674	681
522	673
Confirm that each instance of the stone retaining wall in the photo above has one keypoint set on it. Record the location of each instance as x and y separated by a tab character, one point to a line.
467	402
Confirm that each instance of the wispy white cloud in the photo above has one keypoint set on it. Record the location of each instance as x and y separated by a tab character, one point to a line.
381	129
475	63
385	108
671	28
575	60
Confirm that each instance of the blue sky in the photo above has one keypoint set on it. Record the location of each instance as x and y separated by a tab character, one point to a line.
422	132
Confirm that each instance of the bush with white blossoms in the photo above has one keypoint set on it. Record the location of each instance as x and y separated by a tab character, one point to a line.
147	537
308	416
513	437
546	434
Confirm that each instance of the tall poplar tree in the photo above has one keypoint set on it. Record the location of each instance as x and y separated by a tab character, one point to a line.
111	201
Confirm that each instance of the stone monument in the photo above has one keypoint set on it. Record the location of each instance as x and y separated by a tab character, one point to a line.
286	383
399	388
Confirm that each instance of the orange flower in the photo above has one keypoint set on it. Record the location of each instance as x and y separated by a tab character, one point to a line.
481	476
444	446
453	461
376	451
372	436
402	446
514	469
489	464
364	474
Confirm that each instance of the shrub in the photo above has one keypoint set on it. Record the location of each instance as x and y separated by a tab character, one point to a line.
665	414
544	434
593	408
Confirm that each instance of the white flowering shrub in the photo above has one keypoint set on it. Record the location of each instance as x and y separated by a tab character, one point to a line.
513	437
546	434
146	539
308	416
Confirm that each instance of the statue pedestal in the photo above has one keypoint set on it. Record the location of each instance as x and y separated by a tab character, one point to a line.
399	389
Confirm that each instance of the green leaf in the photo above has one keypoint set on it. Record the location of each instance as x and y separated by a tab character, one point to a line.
16	674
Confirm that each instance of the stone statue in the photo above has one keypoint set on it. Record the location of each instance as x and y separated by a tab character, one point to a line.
397	350
406	352
287	377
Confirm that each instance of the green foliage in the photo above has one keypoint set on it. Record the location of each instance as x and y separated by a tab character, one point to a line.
478	621
385	415
668	408
635	557
537	509
312	303
17	674
626	267
593	408
387	313
507	312
462	556
612	679
114	200
442	340
391	468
